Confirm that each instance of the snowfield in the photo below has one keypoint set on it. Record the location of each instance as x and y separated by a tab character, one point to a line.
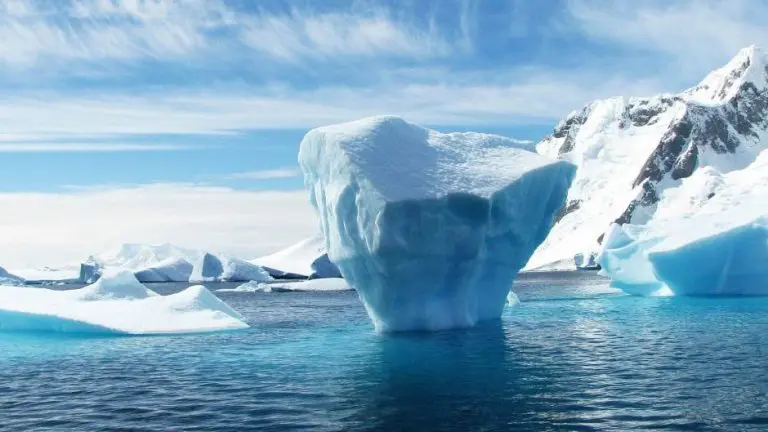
116	304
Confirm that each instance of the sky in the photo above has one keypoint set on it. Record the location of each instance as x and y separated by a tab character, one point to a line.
179	120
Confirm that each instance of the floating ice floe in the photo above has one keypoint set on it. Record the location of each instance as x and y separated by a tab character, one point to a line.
117	303
325	284
429	228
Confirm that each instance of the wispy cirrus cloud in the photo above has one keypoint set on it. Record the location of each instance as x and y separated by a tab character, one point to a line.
682	36
298	36
92	147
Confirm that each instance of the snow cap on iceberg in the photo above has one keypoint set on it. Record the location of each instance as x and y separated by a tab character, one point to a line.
306	258
430	228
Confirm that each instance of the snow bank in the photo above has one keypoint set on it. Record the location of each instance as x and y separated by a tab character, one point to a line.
325	284
212	268
709	237
118	304
430	228
306	258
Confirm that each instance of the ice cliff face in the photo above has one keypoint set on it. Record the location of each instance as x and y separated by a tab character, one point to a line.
430	228
631	151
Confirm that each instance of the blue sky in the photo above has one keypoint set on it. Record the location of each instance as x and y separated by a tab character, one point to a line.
105	98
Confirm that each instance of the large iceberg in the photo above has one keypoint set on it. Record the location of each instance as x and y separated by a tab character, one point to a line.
117	304
306	258
212	268
430	228
709	237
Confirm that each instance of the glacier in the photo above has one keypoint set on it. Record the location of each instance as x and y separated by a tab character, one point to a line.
709	236
306	258
429	228
116	304
213	268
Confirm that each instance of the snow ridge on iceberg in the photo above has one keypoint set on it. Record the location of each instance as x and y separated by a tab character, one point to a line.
116	304
430	228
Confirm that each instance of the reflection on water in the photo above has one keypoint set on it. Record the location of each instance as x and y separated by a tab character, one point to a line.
574	355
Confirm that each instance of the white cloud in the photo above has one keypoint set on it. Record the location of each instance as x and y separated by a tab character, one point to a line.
279	173
51	228
532	96
35	33
694	36
89	147
297	36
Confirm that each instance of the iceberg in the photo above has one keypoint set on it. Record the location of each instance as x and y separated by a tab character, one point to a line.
709	237
151	263
168	270
116	304
212	268
430	228
9	279
306	258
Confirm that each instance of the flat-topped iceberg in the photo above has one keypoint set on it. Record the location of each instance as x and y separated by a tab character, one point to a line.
116	303
709	237
430	228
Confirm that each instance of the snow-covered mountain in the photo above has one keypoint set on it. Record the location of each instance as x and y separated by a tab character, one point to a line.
630	152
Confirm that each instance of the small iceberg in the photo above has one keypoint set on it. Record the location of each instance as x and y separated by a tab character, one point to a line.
326	284
116	304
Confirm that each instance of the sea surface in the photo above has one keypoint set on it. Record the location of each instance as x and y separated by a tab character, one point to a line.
573	355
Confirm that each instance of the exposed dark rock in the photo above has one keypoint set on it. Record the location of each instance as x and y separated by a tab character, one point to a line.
569	207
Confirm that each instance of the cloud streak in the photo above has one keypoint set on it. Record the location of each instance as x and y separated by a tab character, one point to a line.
105	147
279	173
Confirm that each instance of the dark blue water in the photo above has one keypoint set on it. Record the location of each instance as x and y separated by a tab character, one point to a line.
571	357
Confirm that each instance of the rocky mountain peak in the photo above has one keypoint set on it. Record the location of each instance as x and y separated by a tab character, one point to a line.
749	67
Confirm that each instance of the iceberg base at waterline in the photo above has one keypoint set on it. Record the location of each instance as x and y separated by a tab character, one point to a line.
116	304
730	262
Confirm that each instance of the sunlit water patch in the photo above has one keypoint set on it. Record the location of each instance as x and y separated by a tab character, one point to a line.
574	355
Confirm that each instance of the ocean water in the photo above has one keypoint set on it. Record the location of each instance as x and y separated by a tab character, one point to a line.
572	356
